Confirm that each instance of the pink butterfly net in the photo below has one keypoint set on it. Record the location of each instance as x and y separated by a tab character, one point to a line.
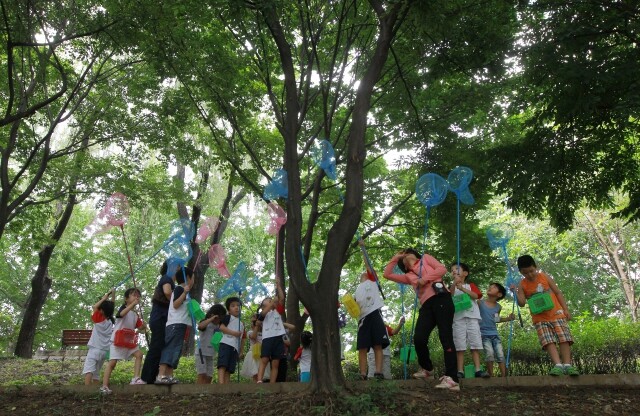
278	218
217	259
208	227
114	214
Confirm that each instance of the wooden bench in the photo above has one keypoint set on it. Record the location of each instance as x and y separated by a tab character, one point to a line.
75	337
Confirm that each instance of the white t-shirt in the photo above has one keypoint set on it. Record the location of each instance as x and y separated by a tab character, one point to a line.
234	324
368	298
473	311
101	333
305	360
180	315
130	320
272	325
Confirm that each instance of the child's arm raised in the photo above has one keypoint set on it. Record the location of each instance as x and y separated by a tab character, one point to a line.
177	302
474	293
102	299
129	307
202	325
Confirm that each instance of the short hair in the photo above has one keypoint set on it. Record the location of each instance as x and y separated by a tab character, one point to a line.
305	339
217	309
526	261
229	301
463	266
183	273
501	289
409	250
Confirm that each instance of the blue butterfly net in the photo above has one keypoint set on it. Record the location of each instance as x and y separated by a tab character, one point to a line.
324	157
237	283
278	187
174	264
431	189
499	235
459	180
256	289
178	244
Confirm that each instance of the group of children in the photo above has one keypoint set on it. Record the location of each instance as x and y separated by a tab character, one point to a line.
474	327
114	338
475	318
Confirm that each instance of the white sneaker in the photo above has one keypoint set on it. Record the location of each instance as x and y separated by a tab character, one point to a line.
447	382
104	390
422	374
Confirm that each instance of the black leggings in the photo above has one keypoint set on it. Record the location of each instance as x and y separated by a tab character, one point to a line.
152	359
437	311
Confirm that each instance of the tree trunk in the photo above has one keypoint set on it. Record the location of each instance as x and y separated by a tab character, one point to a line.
321	297
41	284
614	247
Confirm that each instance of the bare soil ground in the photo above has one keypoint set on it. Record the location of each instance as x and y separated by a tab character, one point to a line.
30	387
383	399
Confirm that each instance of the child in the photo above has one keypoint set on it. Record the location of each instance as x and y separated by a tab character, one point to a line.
372	332
178	320
490	314
251	362
386	354
283	364
304	356
273	347
100	340
551	325
424	273
466	323
126	320
207	327
232	343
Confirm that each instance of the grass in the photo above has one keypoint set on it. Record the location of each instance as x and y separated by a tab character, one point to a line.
26	372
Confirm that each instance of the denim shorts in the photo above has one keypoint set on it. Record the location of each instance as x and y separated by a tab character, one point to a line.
173	340
493	348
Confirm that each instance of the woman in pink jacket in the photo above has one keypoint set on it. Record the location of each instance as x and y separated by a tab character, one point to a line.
425	273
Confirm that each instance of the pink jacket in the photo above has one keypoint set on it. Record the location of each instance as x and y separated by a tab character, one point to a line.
432	271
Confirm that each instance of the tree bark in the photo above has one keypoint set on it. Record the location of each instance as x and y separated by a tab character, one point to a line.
613	247
41	285
321	297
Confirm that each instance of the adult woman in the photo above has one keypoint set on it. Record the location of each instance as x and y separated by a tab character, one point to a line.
425	273
158	321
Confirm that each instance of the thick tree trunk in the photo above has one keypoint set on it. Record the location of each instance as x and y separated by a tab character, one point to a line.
41	284
321	297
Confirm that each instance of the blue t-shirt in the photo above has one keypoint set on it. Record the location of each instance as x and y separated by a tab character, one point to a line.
160	308
487	322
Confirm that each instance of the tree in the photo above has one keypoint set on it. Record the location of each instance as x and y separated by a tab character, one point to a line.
321	70
616	241
573	132
41	93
